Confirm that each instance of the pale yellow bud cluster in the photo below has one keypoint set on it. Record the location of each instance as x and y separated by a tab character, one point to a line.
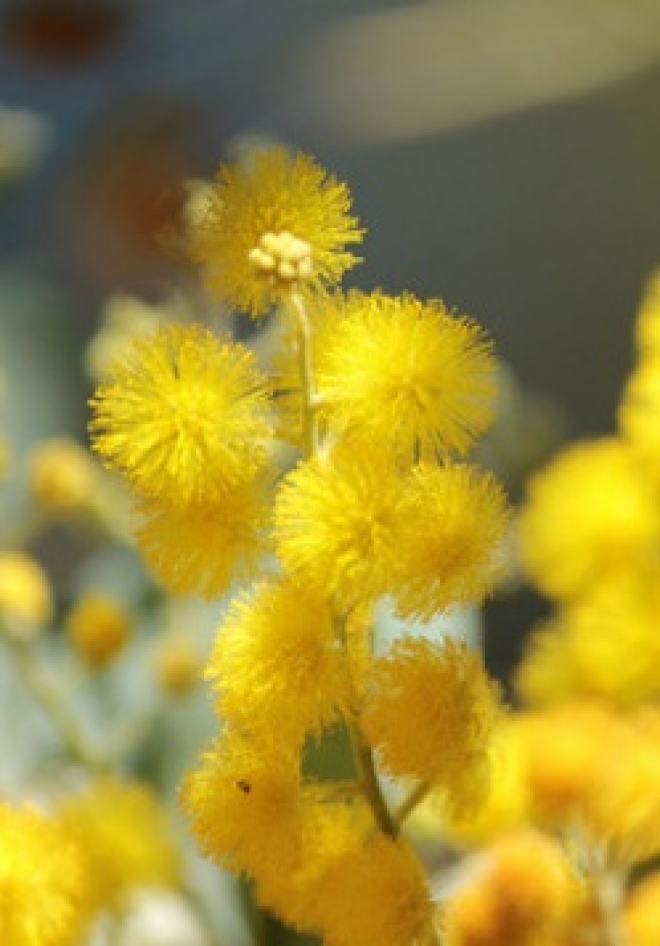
282	258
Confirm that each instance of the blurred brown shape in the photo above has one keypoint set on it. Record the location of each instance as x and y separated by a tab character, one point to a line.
124	196
63	33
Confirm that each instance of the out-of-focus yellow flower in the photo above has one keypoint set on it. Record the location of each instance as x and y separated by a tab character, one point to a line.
524	892
589	516
606	646
336	526
624	810
546	673
647	326
404	374
244	805
124	319
177	665
126	838
567	758
98	626
200	548
272	223
430	714
642	913
278	666
182	415
26	600
44	897
449	548
639	414
506	805
60	476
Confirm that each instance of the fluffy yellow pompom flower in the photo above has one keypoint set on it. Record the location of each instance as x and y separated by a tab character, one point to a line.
272	223
60	476
430	714
43	887
243	804
277	664
524	893
26	600
98	626
450	543
126	838
182	415
201	548
588	516
326	832
336	526
375	893
405	374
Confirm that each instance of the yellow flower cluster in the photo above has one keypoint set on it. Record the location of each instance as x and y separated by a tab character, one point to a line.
524	894
126	840
580	768
59	871
573	808
384	396
44	896
590	539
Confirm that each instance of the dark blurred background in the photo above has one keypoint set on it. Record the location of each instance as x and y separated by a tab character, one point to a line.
504	155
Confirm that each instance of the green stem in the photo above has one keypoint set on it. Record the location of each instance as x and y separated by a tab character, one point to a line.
305	364
362	754
610	891
364	761
361	751
408	805
50	699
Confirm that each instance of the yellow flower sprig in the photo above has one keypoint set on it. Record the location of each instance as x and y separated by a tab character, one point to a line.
384	396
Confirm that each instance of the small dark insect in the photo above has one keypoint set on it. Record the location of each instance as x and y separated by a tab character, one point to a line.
244	786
